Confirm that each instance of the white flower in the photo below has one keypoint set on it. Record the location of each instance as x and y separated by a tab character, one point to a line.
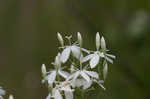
62	87
74	49
97	55
81	83
94	58
51	77
84	74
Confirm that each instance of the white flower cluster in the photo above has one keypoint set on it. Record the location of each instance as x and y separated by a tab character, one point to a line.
2	93
80	71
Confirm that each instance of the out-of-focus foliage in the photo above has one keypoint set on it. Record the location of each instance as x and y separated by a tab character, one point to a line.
28	39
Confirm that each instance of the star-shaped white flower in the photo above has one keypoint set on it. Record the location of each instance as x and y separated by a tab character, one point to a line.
51	75
97	55
74	49
87	75
59	88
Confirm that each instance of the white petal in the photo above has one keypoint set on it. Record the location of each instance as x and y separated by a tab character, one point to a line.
57	60
68	95
2	92
49	96
100	83
57	95
105	70
85	76
92	74
76	75
73	76
76	51
87	85
51	77
63	73
78	83
86	58
109	60
112	56
85	50
65	54
94	61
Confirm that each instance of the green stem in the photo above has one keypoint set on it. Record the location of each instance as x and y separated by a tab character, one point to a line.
82	93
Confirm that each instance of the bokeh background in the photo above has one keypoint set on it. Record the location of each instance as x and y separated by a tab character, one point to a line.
28	39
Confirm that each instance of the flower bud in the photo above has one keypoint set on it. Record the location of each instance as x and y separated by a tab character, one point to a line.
105	70
60	39
79	39
43	68
11	97
103	44
97	40
57	60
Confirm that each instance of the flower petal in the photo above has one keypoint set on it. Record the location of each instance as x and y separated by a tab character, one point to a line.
94	61
100	83
92	74
76	51
68	95
86	58
76	75
73	76
51	77
65	54
57	95
85	50
109	60
2	92
85	76
63	73
112	56
87	85
49	96
78	83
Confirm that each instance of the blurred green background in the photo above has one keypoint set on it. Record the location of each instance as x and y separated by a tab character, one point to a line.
28	39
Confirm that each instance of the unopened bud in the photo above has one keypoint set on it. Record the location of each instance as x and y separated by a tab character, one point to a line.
57	60
11	97
60	39
97	41
79	39
43	68
103	44
105	70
